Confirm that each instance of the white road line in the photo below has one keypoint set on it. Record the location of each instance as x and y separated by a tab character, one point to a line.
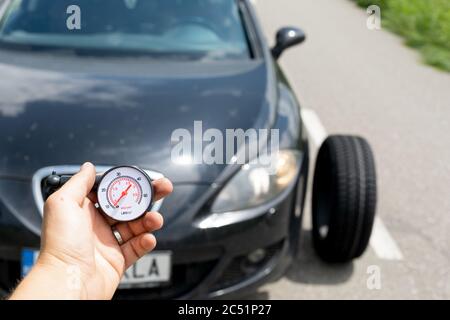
381	241
314	127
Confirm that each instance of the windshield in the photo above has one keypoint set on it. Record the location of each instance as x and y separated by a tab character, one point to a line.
196	28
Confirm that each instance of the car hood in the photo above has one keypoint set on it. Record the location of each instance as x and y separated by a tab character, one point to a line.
65	111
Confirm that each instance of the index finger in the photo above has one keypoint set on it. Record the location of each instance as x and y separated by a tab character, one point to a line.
162	187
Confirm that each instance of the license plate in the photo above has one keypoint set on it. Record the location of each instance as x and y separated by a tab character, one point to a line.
151	270
28	259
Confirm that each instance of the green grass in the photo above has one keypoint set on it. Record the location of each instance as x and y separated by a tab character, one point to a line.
425	24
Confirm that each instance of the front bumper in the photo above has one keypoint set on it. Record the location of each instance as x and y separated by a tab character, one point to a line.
207	263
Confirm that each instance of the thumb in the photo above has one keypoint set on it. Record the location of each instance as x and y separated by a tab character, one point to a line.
80	185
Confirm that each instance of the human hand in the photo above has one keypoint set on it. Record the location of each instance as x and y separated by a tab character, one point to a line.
79	249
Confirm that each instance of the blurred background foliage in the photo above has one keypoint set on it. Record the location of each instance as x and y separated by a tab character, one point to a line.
425	24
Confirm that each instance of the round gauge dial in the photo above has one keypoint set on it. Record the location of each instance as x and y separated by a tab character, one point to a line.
125	193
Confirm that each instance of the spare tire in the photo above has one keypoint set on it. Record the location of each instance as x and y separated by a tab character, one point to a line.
344	198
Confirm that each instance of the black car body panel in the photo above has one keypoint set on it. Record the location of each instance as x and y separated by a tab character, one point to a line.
65	110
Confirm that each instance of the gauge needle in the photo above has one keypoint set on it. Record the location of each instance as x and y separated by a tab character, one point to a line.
124	193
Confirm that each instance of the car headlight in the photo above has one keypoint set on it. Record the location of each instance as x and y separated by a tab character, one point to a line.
257	183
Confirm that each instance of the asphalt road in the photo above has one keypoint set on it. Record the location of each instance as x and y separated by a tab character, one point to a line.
368	83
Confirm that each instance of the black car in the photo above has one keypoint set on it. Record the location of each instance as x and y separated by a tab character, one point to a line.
110	81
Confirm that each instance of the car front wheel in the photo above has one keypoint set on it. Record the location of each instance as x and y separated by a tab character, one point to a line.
344	198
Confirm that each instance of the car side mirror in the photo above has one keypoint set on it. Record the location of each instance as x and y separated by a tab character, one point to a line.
287	37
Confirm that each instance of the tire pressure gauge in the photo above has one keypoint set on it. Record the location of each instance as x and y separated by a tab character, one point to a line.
124	193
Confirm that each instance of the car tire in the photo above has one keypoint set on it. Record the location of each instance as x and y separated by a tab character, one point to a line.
344	198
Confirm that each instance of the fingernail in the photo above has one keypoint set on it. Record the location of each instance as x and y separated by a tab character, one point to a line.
86	165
